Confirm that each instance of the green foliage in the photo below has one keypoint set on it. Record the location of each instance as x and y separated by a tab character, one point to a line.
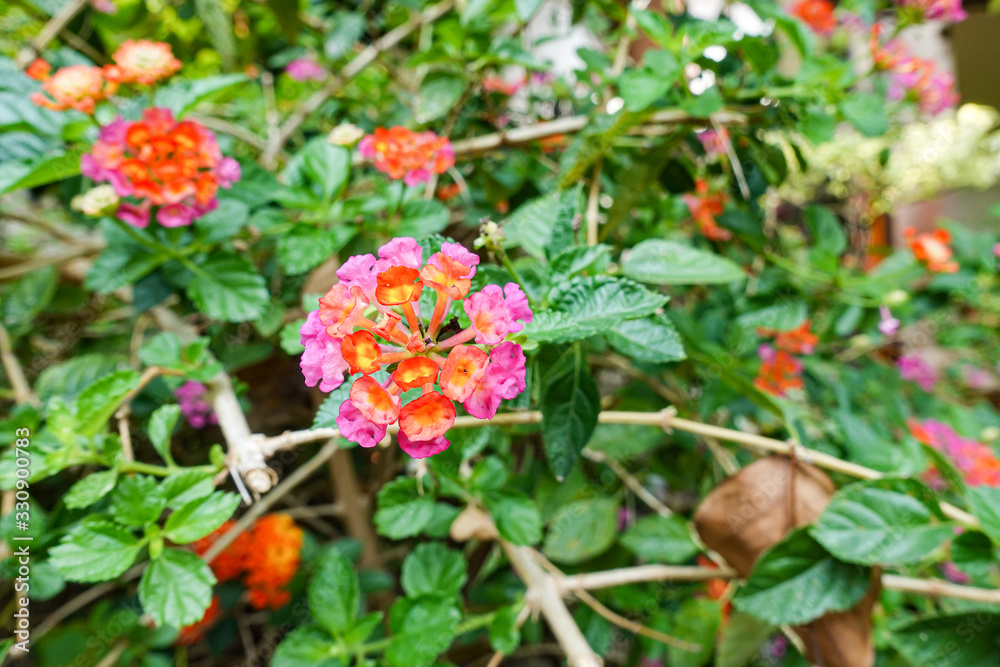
797	581
672	213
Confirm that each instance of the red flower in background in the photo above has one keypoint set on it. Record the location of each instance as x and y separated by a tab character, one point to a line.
932	249
267	556
704	206
78	87
403	153
817	14
142	61
160	161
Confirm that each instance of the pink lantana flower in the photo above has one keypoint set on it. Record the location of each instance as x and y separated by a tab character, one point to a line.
370	321
305	69
191	397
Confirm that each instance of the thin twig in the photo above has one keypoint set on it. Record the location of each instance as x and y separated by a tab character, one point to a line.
49	31
352	69
257	509
12	367
667	419
629	480
610	615
593	216
543	592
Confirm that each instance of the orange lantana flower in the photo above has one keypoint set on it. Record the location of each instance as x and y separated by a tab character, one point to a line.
78	87
142	61
932	249
704	206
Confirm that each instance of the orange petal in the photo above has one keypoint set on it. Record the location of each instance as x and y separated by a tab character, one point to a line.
415	372
398	285
448	279
361	352
427	417
374	402
340	308
462	372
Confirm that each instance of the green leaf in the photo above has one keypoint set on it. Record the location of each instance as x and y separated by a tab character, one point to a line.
782	316
641	87
882	521
320	164
570	403
741	640
797	581
18	113
433	570
161	429
95	552
307	646
182	95
704	105
656	26
333	592
137	501
581	258
961	640
28	296
90	489
589	306
305	248
660	539
581	530
225	222
98	402
348	28
672	263
865	111
439	93
182	487
40	171
984	501
697	621
504	634
422	217
650	339
199	517
516	517
68	378
176	588
402	512
530	226
227	287
426	630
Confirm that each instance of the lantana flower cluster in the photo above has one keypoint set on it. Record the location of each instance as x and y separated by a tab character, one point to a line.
81	87
704	205
780	371
976	461
176	166
267	556
193	399
817	14
412	156
943	10
932	249
371	320
931	87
